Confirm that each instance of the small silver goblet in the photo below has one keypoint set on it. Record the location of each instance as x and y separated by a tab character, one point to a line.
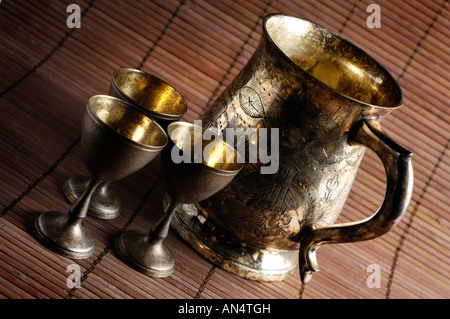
117	140
186	182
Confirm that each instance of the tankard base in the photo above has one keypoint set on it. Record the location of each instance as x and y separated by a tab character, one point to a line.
239	259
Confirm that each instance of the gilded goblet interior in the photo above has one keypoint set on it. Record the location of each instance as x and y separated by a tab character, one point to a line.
149	93
208	165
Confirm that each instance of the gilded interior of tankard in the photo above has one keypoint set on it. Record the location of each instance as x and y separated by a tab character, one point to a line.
333	61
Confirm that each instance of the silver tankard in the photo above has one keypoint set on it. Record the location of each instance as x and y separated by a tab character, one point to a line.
326	97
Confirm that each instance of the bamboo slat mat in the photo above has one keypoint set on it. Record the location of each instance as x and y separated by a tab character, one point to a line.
48	72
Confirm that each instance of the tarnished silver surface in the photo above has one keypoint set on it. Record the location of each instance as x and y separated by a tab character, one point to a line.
233	256
325	96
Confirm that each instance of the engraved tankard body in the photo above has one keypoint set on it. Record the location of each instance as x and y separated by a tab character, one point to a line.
326	97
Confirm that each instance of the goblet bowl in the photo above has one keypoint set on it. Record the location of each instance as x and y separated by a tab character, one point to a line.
153	96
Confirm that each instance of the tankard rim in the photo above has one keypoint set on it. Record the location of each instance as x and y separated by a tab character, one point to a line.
395	105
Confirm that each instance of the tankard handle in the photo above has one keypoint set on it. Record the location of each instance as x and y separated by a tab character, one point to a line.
399	172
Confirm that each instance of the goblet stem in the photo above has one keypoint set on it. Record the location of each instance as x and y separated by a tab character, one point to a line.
160	230
104	204
103	188
80	206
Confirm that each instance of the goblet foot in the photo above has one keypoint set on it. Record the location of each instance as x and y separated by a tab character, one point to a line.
150	257
104	204
63	236
239	259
